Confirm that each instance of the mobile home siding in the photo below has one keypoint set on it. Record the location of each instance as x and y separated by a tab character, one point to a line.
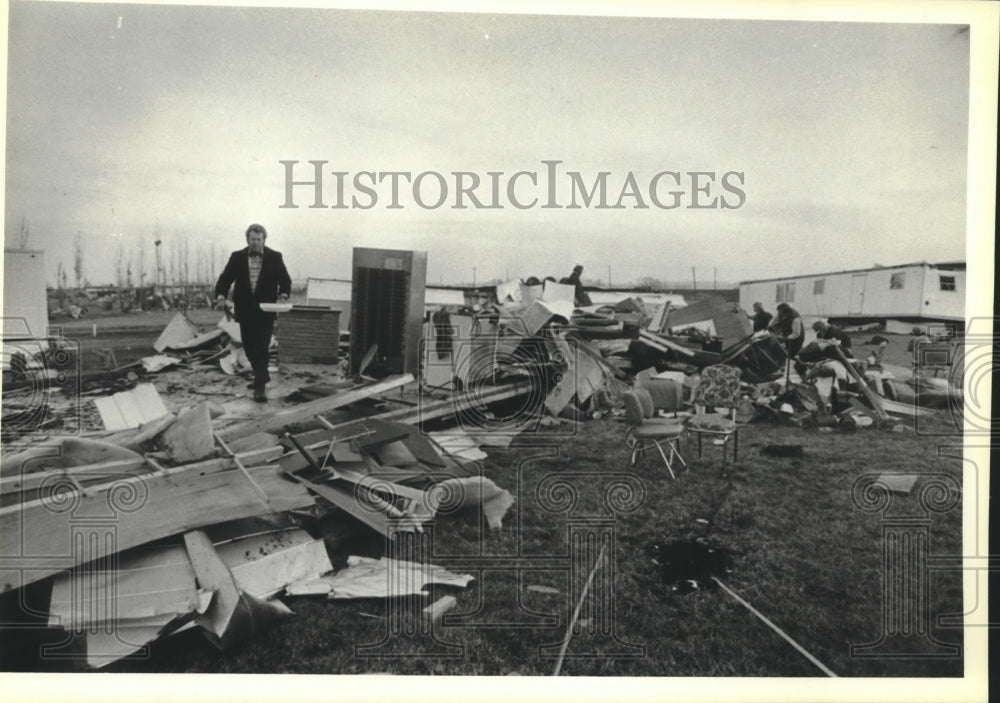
867	293
944	303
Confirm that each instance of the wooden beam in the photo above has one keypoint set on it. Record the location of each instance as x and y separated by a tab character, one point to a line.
243	470
664	344
905	409
94	475
448	406
307	411
875	401
346	501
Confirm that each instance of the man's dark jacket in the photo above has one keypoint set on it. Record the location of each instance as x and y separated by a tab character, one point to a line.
272	282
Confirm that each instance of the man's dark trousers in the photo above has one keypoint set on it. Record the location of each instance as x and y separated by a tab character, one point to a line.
255	329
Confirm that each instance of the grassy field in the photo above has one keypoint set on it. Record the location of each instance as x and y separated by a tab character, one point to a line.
804	554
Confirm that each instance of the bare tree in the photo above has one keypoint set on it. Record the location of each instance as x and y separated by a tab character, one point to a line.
60	274
120	266
78	259
23	232
187	261
173	262
140	267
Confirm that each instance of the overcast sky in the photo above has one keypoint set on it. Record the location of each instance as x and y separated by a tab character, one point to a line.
127	121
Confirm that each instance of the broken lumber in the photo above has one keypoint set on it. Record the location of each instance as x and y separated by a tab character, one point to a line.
234	615
442	605
448	406
47	536
65	452
346	501
91	476
307	411
243	469
875	401
662	344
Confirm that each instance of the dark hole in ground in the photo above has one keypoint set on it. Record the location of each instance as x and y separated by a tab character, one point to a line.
783	450
684	565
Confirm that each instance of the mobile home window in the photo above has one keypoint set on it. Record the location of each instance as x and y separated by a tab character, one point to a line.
948	283
897	281
784	293
818	285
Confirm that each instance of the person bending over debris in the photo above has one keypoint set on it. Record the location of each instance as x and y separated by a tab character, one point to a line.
787	327
826	331
259	276
582	300
761	317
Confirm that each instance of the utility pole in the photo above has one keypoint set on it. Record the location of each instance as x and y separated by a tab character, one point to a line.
159	268
609	275
694	279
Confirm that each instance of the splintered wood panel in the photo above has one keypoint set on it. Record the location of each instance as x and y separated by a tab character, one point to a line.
45	537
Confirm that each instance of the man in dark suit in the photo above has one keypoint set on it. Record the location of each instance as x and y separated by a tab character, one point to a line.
259	276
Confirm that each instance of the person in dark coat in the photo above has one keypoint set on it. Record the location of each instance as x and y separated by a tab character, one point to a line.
828	332
787	327
257	275
761	317
581	299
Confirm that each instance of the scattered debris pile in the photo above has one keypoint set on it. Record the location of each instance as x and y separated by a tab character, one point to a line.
190	520
182	517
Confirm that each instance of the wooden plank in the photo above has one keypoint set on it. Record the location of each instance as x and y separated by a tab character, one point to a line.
94	475
416	505
664	344
449	406
875	401
307	411
42	538
905	409
346	501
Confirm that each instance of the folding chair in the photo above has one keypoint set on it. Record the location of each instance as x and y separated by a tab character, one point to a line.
643	433
718	389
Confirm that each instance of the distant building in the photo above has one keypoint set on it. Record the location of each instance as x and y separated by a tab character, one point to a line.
336	293
917	292
25	304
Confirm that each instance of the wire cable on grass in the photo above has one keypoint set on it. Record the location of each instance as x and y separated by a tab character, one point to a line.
777	629
576	611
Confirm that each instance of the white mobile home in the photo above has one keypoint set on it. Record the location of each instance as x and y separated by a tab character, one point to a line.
25	305
909	292
337	294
